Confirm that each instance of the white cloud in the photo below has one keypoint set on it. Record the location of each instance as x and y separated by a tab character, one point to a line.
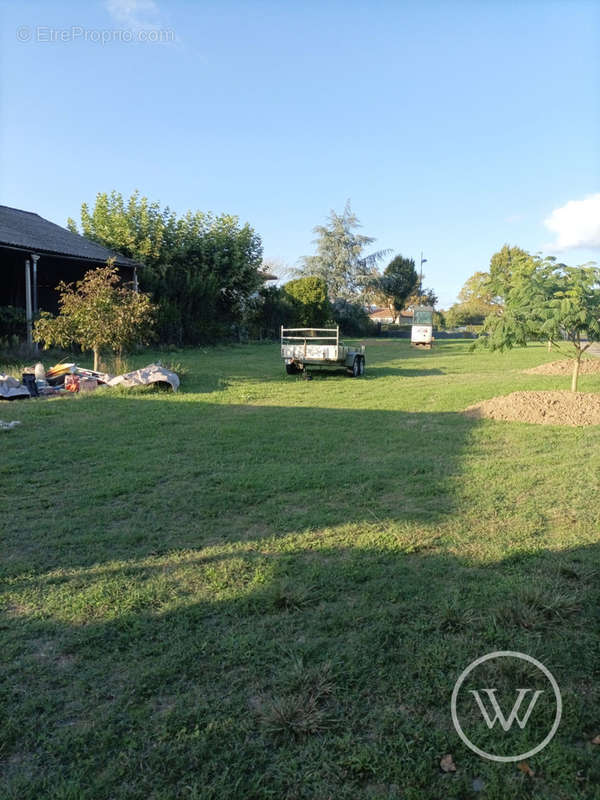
134	14
576	224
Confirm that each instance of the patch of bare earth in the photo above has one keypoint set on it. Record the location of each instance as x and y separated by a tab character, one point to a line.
542	408
588	366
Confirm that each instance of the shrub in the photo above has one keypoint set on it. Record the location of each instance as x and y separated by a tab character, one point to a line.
12	323
308	299
352	319
267	311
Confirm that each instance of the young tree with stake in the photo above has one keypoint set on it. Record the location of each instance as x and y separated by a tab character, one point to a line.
97	313
553	303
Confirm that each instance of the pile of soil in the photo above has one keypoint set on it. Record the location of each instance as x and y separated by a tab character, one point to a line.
589	366
542	408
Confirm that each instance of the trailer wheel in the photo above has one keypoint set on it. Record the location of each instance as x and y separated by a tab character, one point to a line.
356	367
362	366
291	369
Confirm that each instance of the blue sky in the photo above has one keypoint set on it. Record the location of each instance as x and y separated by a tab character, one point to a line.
453	127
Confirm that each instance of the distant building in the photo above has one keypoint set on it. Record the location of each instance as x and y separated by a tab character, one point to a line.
385	317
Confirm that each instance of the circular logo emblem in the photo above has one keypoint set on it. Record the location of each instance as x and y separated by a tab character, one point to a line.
486	710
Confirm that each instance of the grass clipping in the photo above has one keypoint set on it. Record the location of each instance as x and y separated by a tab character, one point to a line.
565	367
542	408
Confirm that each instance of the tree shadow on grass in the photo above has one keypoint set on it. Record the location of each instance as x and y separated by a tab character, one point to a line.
287	622
371	373
404	372
317	672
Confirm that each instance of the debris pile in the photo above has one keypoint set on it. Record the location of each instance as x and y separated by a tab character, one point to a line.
70	378
545	408
11	388
7	426
588	366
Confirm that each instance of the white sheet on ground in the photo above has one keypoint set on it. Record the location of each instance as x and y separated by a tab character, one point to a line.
11	388
153	373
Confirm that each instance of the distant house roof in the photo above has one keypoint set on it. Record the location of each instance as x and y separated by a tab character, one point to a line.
385	313
266	276
381	313
24	230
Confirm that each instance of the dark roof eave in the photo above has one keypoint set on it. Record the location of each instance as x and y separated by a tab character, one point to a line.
120	261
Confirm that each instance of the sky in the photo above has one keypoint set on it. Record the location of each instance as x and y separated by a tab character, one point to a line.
452	127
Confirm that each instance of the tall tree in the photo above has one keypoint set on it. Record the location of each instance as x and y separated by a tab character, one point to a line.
477	290
398	282
550	302
508	261
427	297
200	268
340	258
476	300
136	227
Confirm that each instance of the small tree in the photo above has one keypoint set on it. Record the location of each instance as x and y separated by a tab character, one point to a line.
97	313
553	303
309	300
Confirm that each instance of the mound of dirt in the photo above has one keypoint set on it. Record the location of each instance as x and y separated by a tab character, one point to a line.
589	366
542	408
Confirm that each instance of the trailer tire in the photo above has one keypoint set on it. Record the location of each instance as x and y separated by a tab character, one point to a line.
362	366
356	367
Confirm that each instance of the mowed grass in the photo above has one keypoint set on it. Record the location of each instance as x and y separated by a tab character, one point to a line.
264	587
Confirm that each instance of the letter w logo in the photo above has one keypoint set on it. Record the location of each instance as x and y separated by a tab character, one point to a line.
504	722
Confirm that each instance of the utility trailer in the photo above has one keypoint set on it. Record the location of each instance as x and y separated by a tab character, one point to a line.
303	348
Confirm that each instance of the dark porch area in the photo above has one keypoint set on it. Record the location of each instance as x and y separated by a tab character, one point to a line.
51	270
36	255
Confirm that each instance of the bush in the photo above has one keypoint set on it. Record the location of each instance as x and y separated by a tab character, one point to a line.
439	320
267	311
12	323
393	327
352	319
308	298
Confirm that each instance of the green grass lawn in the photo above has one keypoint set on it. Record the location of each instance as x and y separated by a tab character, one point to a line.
264	587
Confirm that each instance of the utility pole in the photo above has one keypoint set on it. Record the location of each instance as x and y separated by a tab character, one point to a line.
423	261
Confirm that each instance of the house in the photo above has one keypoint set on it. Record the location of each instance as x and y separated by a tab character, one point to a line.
385	317
36	254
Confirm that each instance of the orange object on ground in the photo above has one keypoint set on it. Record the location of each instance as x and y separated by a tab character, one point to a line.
72	383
